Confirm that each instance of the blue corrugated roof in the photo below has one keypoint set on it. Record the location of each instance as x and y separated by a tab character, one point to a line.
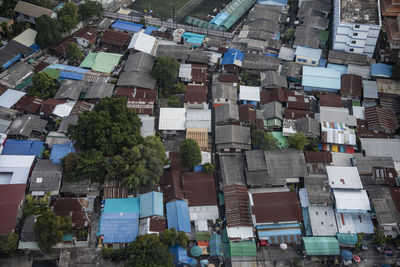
324	78
194	39
178	215
231	56
57	66
340	68
219	19
150	29
273	2
75	69
59	151
151	204
128	205
71	75
307	52
180	255
381	70
119	227
126	26
23	147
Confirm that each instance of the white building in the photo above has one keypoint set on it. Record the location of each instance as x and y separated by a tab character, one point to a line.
356	26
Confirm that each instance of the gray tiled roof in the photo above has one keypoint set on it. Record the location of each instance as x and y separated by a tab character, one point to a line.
309	127
286	163
50	174
179	52
25	125
224	90
271	110
71	89
318	190
66	121
226	113
272	79
99	90
255	160
232	136
260	62
140	61
232	169
136	79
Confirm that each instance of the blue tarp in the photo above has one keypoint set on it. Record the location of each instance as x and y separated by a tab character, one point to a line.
381	70
231	56
194	39
23	147
215	245
126	26
198	168
346	254
178	215
273	2
124	205
151	204
150	29
219	19
71	75
59	151
119	227
180	256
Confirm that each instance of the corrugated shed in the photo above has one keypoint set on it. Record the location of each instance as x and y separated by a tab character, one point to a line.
178	215
151	204
23	147
237	206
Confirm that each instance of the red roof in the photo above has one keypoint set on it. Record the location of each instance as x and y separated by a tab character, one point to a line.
199	188
318	156
49	105
73	207
330	100
228	78
199	73
247	114
11	196
88	33
351	85
297	114
114	189
363	131
80	107
116	38
171	185
270	95
237	206
29	104
196	93
295	101
381	119
158	224
276	207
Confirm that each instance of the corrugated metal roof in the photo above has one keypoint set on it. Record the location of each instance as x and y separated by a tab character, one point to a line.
307	52
151	204
250	93
319	77
343	177
59	151
178	215
10	97
351	200
370	89
320	246
23	147
354	223
119	227
172	119
381	70
126	26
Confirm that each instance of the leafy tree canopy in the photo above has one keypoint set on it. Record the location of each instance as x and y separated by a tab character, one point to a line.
172	237
180	88
190	153
68	16
36	206
165	70
8	244
264	140
48	31
174	102
7	9
74	53
148	251
89	9
43	86
108	128
42	3
297	141
208	167
49	229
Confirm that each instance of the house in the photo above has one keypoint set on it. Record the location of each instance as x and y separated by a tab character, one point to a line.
11	200
338	115
274	94
178	52
200	135
59	151
298	100
80	189
232	60
199	191
151	204
193	73
363	71
277	210
29	104
363	34
113	40
337	137
140	100
101	61
143	42
12	52
119	221
380	147
152	225
193	39
239	225
16	168
351	86
98	91
114	189
66	121
17	76
371	168
271	114
232	169
343	177
330	100
223	93
178	215
196	96
126	26
287	54
307	36
318	191
200	57
23	147
10	97
292	71
346	58
308	56
64	109
381	119
249	94
316	22
172	120
247	115
370	93
26	127
393	32
256	63
79	209
309	127
271	79
87	36
320	79
226	114
71	89
27	12
232	138
46	177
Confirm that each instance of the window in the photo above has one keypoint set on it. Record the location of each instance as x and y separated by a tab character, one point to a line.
353	42
351	50
355	34
357	26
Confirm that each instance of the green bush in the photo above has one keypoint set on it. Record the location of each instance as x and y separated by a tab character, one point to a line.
208	167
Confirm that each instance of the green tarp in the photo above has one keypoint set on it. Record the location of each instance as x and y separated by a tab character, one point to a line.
102	62
243	249
282	139
202	236
53	73
347	239
321	246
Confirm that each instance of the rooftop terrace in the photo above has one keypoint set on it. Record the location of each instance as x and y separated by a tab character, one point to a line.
360	11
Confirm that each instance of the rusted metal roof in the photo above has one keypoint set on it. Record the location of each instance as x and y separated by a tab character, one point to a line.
29	104
381	119
237	206
247	113
318	157
297	114
351	85
114	189
390	87
49	105
196	93
274	94
199	188
297	101
330	100
116	38
171	185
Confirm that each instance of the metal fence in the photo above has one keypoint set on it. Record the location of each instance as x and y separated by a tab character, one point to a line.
169	25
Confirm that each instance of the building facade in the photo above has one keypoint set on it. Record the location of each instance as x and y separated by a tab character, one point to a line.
356	26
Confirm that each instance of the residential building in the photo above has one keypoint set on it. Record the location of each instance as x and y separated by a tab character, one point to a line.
113	40
178	215
308	56
28	12
46	177
320	79
196	96
232	138
26	127
227	114
11	199
143	42
87	36
172	120
356	26
249	94
381	119
351	86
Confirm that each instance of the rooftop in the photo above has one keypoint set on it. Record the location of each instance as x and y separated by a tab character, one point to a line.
199	189
360	12
237	206
344	177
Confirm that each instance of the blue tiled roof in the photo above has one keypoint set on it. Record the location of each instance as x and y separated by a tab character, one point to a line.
125	205
59	151
381	70
231	56
151	204
119	227
23	147
178	215
126	26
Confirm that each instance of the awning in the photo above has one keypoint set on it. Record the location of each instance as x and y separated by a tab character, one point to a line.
321	246
347	239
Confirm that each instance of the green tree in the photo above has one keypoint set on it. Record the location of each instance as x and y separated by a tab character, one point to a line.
36	206
74	54
48	31
396	71
89	9
148	251
165	70
172	237
288	35
68	16
43	86
297	141
49	229
85	165
8	244
180	88
174	102
6	33
312	144
190	153
379	237
208	167
7	9
264	140
108	128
